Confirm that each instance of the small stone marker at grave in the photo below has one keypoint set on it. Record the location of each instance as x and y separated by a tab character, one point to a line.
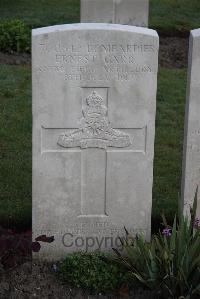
94	103
191	151
126	12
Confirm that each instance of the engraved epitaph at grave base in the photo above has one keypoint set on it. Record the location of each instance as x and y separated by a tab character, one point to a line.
191	150
94	102
126	12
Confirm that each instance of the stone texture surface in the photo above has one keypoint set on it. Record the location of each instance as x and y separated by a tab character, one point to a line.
191	151
94	103
126	12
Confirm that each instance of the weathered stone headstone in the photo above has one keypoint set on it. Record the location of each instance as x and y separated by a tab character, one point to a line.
94	102
191	151
126	12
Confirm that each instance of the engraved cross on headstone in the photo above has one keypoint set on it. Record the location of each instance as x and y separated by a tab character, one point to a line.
95	137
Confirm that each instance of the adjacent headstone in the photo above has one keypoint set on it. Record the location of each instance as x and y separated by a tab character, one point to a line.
126	12
94	102
191	156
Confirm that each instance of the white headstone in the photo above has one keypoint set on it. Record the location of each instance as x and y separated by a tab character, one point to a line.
191	152
94	103
127	12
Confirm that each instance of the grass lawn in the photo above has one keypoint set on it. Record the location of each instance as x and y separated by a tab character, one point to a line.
40	13
169	141
15	146
174	15
165	15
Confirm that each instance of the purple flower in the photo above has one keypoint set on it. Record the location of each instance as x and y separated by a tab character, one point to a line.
167	232
197	223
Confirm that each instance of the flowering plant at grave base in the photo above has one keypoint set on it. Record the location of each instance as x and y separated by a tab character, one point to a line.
170	263
15	247
167	232
197	223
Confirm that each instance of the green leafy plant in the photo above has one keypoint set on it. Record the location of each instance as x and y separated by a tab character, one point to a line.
14	36
170	263
91	271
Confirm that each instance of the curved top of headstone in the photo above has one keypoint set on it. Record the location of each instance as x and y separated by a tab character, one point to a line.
195	32
94	26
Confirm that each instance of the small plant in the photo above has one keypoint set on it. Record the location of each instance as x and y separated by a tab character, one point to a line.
14	36
91	271
170	263
14	248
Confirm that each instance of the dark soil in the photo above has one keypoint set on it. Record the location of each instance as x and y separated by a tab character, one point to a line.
24	278
15	59
173	54
39	280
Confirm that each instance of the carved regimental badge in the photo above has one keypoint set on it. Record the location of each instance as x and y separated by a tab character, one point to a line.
95	129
